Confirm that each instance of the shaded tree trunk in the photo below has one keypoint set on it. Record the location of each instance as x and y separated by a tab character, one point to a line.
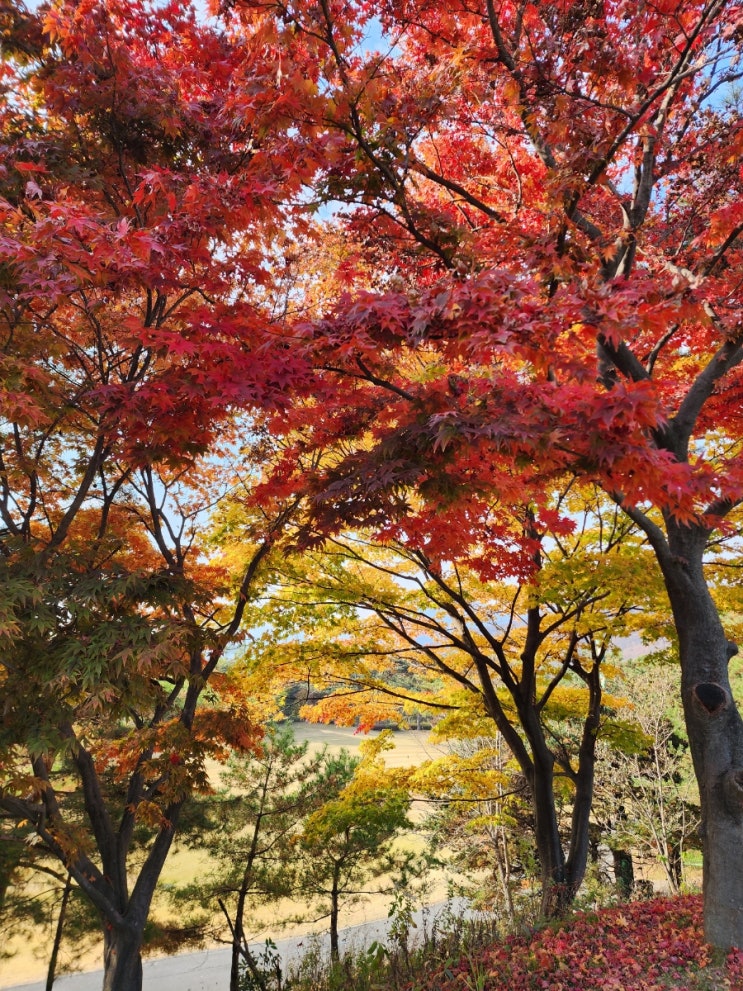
624	872
122	958
58	931
676	863
556	893
715	731
239	942
562	875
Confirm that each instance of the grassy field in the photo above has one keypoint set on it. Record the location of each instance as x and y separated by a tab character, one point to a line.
29	957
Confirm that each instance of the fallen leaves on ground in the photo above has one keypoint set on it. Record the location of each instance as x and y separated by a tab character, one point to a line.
653	945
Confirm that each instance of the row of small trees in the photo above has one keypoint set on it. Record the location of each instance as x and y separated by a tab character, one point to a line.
281	825
284	828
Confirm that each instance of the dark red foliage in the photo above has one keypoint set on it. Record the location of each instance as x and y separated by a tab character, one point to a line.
644	946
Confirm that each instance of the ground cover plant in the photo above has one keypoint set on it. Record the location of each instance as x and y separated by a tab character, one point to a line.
656	946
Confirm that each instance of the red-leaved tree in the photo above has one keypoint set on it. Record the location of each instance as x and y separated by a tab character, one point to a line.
548	198
142	216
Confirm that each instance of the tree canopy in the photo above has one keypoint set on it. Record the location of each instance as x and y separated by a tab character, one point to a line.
403	269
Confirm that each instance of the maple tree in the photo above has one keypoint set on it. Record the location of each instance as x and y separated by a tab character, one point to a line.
524	658
142	228
550	197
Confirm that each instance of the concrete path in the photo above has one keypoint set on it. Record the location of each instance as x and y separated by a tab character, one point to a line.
209	970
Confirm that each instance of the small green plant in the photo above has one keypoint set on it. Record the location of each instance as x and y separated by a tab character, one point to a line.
262	971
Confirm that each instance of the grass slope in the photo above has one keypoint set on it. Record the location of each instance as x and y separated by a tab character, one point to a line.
643	946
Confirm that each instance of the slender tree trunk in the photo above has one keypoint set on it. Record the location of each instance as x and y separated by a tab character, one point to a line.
676	863
715	731
122	959
501	848
237	952
238	929
503	872
334	914
58	931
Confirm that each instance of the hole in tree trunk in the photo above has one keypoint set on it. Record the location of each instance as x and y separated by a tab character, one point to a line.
713	698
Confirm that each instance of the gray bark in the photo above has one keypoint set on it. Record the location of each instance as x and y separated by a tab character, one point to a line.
122	959
715	731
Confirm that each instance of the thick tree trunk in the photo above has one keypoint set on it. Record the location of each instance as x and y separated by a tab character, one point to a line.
122	959
715	731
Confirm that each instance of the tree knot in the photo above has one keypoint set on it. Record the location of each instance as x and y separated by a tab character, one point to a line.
711	697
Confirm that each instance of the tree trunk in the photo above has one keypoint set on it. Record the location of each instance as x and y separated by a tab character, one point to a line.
624	872
675	863
503	872
122	958
58	932
715	731
237	953
334	913
238	929
561	876
556	891
583	781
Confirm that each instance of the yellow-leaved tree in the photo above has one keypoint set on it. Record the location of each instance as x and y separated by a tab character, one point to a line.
388	629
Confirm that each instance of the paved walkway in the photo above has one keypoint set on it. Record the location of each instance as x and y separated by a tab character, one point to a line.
209	970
